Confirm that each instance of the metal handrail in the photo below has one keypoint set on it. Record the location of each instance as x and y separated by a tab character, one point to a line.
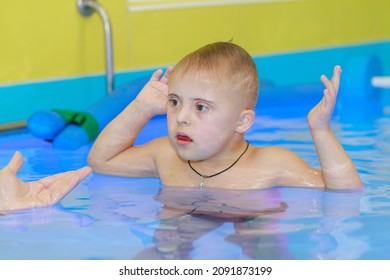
86	8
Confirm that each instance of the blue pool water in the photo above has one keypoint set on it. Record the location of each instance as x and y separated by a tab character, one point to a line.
109	217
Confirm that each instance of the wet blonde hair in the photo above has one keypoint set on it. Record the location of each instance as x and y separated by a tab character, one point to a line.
222	63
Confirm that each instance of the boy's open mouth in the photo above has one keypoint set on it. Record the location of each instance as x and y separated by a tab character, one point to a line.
183	139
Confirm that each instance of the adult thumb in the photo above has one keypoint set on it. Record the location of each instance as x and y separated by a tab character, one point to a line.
15	163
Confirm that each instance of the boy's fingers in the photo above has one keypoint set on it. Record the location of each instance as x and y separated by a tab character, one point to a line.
325	81
15	163
327	99
167	74
156	75
329	84
336	77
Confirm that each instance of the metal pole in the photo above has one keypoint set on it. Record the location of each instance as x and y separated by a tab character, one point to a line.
86	8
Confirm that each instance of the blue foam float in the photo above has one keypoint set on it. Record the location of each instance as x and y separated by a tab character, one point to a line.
69	130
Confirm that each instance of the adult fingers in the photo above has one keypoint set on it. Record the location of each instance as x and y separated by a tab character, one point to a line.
15	163
63	186
82	172
52	189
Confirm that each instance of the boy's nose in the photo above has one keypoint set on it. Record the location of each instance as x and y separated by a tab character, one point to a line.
183	117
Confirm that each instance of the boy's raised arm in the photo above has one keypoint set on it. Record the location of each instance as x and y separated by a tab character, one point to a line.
113	151
338	170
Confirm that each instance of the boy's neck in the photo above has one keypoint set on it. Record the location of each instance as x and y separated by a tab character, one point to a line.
220	162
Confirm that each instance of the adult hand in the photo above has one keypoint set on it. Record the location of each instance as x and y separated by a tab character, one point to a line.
16	194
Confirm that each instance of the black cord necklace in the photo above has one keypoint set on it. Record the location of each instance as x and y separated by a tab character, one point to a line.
202	177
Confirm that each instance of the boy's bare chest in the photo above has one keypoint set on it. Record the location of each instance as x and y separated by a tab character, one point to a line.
246	175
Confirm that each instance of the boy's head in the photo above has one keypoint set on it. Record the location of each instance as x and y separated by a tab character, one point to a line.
212	93
222	64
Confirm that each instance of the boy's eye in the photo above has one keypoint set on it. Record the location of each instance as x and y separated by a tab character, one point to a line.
174	102
201	108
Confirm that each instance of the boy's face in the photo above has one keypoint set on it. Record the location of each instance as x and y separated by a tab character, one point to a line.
202	117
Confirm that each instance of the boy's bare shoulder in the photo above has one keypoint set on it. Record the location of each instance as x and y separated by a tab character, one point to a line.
274	153
160	147
274	159
160	142
286	167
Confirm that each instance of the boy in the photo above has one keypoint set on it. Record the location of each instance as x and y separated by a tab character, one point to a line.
209	98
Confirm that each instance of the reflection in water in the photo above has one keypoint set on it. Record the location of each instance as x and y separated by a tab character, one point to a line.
221	202
263	222
185	223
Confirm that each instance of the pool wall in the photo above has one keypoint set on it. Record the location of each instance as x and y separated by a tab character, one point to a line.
53	57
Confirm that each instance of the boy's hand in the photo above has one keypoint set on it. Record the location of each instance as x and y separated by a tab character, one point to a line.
319	117
16	194
153	98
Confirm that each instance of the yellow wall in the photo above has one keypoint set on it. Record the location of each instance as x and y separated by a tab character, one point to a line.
165	36
49	39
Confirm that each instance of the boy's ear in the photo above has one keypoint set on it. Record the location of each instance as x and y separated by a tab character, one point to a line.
246	120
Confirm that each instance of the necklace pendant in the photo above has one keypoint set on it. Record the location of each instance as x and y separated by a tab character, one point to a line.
201	183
